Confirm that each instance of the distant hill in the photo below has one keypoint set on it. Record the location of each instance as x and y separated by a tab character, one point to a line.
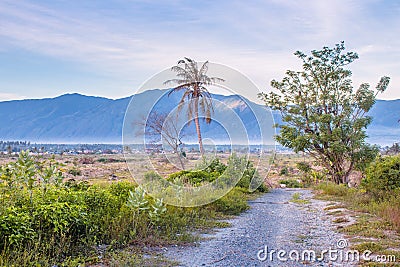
75	118
385	126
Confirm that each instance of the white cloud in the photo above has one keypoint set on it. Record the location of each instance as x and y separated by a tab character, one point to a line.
257	38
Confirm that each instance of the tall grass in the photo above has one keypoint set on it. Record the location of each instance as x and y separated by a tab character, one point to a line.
358	199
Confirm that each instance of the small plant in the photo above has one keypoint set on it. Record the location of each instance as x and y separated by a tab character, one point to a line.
284	171
341	220
138	203
137	200
75	171
296	198
158	209
194	178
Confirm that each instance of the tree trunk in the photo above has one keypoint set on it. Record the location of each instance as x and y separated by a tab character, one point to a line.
197	123
337	172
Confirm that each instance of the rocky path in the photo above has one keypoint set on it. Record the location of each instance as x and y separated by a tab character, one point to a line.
272	223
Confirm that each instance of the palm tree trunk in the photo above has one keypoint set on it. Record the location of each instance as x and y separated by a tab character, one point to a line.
197	123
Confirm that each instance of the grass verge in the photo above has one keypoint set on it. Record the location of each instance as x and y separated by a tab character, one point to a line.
377	225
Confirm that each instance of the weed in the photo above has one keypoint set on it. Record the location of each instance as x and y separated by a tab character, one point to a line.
341	220
296	198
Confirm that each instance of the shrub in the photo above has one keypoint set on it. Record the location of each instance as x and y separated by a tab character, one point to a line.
382	175
87	160
291	183
304	167
333	189
232	203
215	166
75	171
284	171
109	160
194	178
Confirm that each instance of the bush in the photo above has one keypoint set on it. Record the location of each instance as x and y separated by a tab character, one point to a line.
291	183
334	189
86	160
304	167
75	171
232	203
284	171
382	175
109	160
194	178
216	167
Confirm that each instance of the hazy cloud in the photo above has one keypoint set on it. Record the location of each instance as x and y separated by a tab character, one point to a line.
131	40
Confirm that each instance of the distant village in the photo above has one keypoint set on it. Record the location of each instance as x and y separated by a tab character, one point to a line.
14	147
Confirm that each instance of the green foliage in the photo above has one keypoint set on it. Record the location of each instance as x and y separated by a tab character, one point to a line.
291	183
215	166
46	222
250	174
382	176
109	160
232	203
137	200
333	189
284	171
158	209
322	114
194	177
304	167
296	198
193	81
75	171
238	169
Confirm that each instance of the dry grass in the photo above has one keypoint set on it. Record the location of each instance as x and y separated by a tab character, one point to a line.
391	214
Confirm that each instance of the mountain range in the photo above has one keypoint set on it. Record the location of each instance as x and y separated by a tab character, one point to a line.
76	118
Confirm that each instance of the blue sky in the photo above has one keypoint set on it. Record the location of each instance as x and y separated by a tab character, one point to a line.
109	48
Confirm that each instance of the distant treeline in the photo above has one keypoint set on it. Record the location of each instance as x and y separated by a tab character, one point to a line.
17	146
14	146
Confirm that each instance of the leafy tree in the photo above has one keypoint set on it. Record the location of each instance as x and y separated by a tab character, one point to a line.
322	114
193	81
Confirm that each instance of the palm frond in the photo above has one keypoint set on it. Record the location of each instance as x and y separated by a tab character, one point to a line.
203	70
174	81
193	81
179	88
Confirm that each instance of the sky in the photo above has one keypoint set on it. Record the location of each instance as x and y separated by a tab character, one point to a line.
110	48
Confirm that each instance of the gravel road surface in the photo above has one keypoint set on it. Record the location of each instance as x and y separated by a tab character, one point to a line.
273	221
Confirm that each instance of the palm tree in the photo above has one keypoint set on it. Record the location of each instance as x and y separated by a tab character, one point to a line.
193	80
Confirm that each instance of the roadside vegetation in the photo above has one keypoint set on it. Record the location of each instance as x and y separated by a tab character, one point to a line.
373	208
47	221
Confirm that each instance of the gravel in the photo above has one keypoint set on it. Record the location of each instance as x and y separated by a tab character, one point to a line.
272	221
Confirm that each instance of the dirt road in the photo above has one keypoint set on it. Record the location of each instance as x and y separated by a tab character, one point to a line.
276	223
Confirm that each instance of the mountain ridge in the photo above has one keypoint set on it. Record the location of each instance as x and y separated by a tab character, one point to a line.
75	117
